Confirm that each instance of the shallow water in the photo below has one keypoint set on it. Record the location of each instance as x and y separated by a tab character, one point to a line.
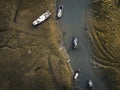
73	23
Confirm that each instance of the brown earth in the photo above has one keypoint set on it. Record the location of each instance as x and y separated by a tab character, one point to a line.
104	25
30	58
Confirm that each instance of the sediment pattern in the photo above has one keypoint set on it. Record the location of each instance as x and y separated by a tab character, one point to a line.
30	58
105	31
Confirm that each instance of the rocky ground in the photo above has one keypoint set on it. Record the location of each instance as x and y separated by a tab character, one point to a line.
30	57
104	26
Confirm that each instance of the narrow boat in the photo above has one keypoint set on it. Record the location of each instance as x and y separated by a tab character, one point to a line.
42	18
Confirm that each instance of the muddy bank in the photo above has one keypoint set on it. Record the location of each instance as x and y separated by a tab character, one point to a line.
104	30
30	57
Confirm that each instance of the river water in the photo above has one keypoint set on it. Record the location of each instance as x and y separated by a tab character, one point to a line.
73	23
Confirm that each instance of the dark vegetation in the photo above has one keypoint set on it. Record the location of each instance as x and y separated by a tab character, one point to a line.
105	34
30	58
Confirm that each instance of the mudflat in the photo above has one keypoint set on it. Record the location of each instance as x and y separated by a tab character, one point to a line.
30	57
104	30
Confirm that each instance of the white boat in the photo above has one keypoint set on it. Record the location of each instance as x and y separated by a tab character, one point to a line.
90	84
42	18
60	11
75	42
76	74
